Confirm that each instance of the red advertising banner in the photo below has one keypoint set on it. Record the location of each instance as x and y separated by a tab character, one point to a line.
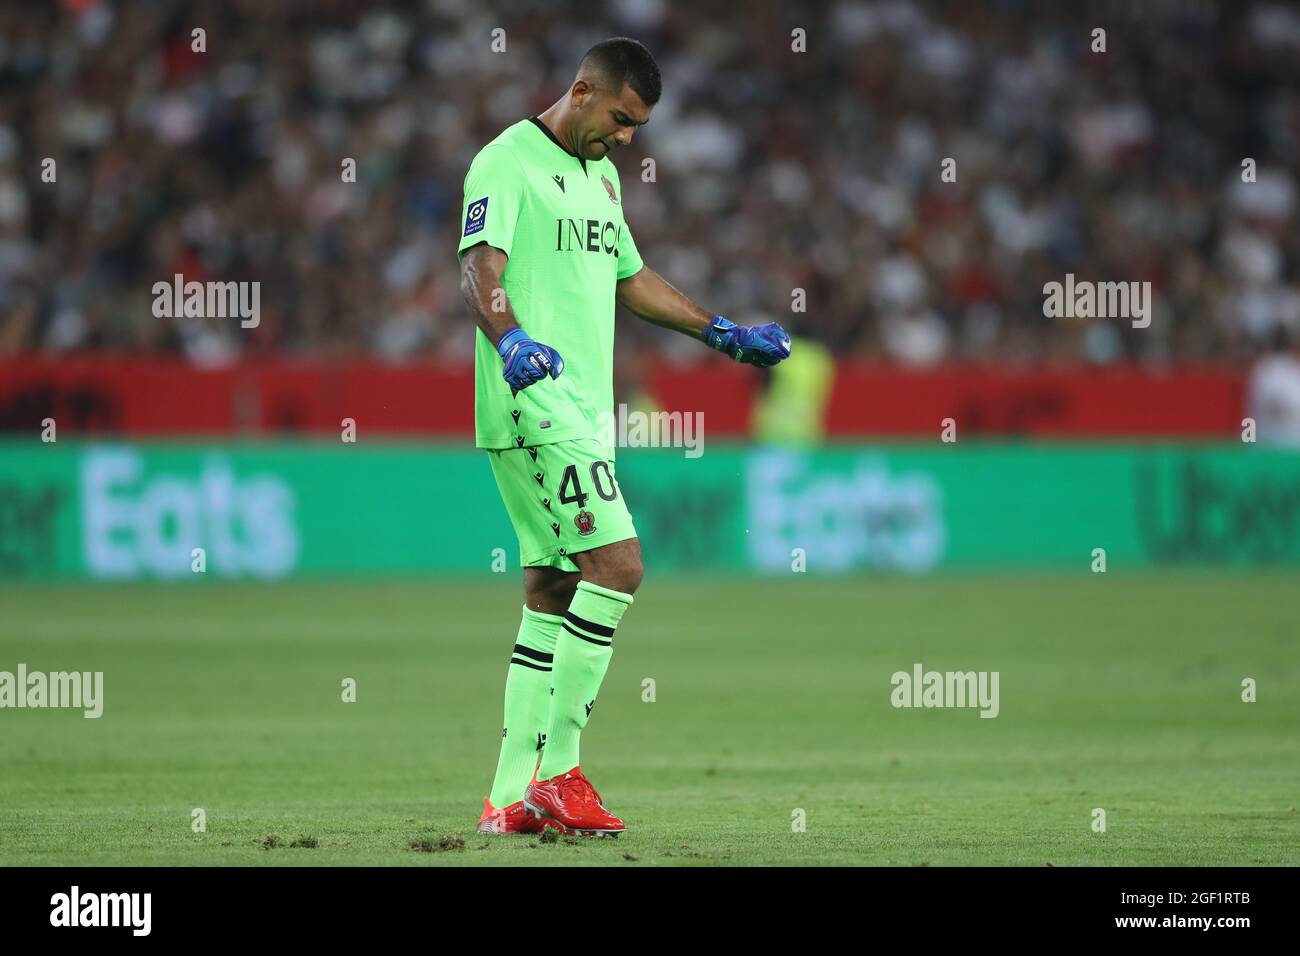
158	397
1065	403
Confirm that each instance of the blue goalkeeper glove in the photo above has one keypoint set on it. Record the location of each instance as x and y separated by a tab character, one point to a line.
761	345
526	361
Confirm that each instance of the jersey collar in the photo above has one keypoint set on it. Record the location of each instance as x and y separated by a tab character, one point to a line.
551	136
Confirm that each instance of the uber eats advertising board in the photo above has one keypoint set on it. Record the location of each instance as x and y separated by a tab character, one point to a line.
138	511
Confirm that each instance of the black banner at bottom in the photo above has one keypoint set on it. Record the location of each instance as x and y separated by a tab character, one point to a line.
334	904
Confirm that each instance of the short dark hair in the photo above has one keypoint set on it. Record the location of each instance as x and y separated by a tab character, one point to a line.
626	62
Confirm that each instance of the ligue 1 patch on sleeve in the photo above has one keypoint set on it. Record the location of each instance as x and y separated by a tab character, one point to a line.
476	216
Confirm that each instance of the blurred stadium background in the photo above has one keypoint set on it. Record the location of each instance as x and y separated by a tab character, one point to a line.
775	171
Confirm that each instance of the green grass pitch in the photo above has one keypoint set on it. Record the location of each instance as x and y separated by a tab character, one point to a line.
1116	692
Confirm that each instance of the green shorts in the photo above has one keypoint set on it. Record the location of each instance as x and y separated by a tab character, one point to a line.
562	498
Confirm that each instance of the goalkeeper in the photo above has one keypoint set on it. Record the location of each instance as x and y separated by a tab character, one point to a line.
545	255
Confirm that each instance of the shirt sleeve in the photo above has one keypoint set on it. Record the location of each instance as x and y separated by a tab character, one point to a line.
629	260
494	189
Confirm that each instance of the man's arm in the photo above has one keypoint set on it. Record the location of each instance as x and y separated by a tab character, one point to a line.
523	360
480	286
648	296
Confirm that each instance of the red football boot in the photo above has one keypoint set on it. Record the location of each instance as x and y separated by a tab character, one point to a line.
570	799
512	819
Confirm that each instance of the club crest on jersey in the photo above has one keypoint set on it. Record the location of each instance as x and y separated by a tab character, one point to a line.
609	188
476	216
586	522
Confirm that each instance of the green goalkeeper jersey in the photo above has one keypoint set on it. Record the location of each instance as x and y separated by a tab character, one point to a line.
559	220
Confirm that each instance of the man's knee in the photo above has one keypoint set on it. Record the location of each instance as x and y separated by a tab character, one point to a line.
631	572
626	578
549	591
617	566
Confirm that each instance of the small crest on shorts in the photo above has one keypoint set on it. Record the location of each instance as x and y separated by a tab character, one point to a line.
586	522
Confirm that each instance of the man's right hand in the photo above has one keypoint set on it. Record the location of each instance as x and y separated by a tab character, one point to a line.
527	361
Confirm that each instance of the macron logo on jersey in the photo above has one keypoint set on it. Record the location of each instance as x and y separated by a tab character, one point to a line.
476	216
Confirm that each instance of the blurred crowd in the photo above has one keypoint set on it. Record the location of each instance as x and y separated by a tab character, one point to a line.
775	170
